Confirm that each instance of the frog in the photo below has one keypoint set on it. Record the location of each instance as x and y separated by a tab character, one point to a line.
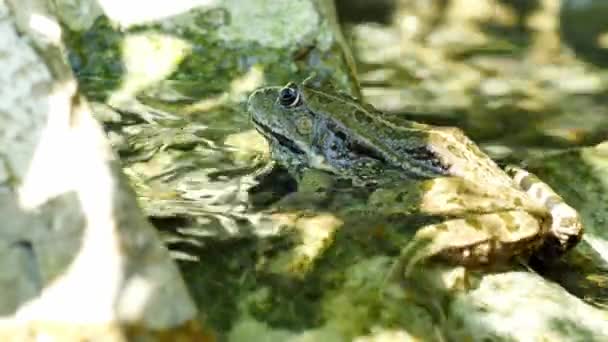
487	214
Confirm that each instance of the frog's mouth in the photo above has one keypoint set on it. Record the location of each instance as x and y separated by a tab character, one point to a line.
277	137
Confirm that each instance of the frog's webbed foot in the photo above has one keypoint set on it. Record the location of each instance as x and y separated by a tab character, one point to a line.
566	228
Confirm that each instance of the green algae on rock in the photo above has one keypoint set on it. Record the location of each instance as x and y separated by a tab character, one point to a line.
285	39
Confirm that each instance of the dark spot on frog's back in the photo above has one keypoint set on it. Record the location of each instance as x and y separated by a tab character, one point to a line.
474	223
341	135
363	117
552	201
454	150
509	221
426	156
526	182
442	226
322	99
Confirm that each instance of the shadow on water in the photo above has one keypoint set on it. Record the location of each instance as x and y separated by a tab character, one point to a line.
522	10
355	11
245	275
583	271
583	26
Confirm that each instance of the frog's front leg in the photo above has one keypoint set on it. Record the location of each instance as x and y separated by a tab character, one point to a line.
314	188
566	228
472	241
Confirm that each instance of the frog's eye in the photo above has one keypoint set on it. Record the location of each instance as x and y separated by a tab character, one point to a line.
289	96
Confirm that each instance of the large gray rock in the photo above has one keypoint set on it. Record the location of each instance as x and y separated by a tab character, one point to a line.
78	261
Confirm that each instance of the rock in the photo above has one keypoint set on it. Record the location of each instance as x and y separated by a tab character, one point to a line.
201	51
79	261
522	306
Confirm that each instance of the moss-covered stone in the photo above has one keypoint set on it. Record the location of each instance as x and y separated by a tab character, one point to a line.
287	40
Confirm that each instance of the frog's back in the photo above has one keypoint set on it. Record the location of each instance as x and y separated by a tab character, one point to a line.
465	158
394	143
420	151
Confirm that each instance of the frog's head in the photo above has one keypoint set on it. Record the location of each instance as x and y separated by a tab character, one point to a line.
314	125
281	115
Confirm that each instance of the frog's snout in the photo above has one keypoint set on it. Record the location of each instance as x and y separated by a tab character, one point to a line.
262	100
253	101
